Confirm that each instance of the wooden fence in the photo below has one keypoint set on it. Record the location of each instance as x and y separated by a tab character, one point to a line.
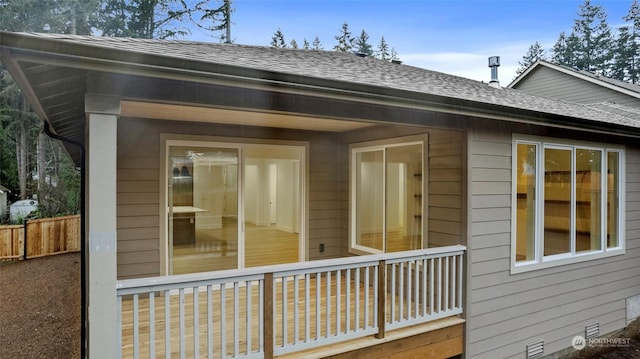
40	237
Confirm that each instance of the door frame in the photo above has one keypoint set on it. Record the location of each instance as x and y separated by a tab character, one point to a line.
168	139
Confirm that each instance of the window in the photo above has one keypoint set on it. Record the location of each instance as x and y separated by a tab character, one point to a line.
387	184
567	205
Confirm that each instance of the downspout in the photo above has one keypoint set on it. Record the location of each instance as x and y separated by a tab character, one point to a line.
83	284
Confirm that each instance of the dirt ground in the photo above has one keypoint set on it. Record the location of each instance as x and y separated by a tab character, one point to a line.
40	313
40	308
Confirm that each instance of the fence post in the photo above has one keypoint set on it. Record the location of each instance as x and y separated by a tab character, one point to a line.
268	316
382	298
24	242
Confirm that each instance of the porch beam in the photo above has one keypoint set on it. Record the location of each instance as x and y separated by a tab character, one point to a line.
100	216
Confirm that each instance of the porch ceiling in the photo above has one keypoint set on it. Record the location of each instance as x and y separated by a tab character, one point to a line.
164	111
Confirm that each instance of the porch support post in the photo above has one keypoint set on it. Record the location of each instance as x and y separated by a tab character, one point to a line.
100	215
382	298
268	316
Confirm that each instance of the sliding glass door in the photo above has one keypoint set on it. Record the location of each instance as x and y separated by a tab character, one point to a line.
233	205
387	205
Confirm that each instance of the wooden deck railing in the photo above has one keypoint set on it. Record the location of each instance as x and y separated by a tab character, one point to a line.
267	311
40	237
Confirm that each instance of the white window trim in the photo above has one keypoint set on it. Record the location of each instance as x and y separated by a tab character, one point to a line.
169	139
381	145
540	261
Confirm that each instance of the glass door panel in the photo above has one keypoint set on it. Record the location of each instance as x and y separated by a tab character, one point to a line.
403	198
203	209
369	199
272	204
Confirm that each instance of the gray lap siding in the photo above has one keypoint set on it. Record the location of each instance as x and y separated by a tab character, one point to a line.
505	312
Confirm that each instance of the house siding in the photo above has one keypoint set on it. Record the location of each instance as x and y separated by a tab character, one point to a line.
550	83
506	312
138	189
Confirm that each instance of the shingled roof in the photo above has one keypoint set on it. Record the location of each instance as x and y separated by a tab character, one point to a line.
310	67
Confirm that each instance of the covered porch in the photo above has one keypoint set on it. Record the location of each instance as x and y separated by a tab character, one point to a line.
317	309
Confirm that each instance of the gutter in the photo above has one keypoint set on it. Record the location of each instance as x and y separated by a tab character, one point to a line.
83	260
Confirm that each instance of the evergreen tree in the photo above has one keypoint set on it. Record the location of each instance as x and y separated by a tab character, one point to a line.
632	49
305	44
383	52
277	40
214	19
293	44
564	50
394	55
362	45
316	44
623	67
162	19
594	39
345	41
535	53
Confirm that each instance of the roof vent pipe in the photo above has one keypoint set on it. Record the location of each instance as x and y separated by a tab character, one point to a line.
494	63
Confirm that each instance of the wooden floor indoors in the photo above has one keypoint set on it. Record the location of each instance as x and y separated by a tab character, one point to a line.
217	249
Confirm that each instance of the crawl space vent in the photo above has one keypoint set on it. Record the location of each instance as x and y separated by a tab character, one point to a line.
592	330
535	349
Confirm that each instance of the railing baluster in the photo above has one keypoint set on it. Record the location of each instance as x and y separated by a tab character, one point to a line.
393	292
307	300
347	301
167	324
223	320
318	305
285	316
209	322
409	289
425	273
431	287
416	289
366	297
119	324
446	283
401	282
460	266
357	303
328	304
338	301
453	287
236	318
248	316
296	308
183	353
196	323
136	338
439	284
152	325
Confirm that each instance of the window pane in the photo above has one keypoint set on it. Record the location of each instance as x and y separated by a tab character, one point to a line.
369	199
404	198
557	201
526	202
588	200
613	173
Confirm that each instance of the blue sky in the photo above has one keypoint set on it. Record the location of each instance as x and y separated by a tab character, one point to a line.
454	36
